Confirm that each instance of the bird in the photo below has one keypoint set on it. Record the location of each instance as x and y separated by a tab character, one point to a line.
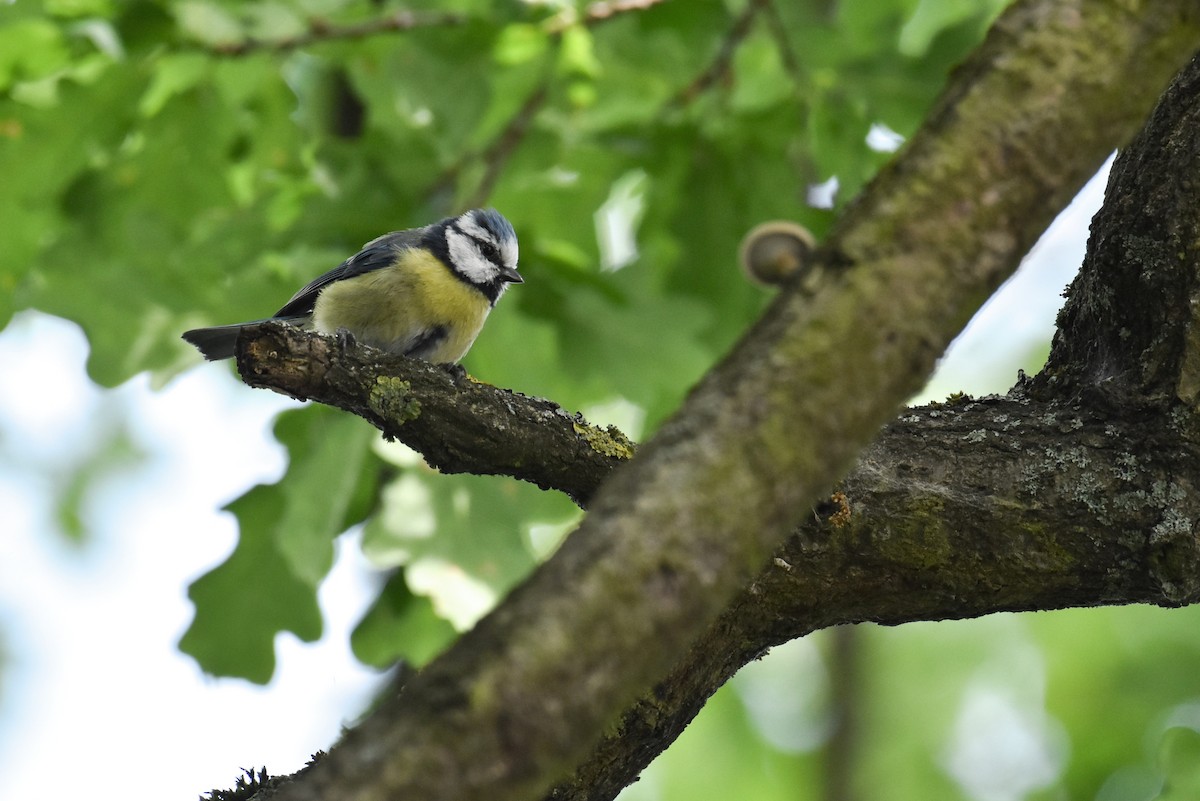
422	292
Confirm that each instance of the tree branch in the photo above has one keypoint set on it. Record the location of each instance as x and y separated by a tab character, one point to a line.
498	151
1076	490
718	69
322	30
675	537
1130	330
1001	504
456	423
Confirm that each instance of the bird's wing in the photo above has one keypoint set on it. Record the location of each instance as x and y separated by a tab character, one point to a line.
375	255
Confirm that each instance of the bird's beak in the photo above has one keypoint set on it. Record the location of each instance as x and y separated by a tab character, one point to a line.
509	275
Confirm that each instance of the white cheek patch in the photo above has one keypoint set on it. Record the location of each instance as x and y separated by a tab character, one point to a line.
467	257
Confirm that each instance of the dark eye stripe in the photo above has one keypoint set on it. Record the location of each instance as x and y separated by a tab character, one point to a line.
489	250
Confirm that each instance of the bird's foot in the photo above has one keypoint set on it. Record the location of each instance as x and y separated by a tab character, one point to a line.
345	339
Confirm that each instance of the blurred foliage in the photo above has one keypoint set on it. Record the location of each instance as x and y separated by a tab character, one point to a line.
1099	704
168	165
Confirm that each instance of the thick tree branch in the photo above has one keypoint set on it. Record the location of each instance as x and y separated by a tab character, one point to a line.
1001	504
1077	490
676	533
1130	331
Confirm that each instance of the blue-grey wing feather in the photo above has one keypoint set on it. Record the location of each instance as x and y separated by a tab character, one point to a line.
375	255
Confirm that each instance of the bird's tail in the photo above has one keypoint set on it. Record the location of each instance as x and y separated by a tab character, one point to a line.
216	342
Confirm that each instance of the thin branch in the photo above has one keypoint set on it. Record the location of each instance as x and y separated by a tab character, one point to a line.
607	9
842	751
321	31
496	155
719	68
787	54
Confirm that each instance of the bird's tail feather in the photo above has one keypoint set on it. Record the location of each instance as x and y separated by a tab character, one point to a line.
216	342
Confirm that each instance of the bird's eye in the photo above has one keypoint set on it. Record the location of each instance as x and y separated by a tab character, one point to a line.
490	252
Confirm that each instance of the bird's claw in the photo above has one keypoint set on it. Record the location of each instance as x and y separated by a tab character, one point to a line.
457	372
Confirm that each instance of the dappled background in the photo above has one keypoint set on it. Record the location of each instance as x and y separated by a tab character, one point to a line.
172	165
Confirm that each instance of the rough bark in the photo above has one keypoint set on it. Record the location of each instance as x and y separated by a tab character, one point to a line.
1077	489
457	424
998	504
1034	501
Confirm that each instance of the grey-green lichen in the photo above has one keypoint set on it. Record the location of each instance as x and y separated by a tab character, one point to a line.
606	441
1174	559
391	398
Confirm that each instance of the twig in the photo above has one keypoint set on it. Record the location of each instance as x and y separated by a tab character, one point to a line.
497	154
320	30
607	9
719	68
787	55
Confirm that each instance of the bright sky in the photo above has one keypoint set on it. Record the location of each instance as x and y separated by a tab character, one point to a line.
89	667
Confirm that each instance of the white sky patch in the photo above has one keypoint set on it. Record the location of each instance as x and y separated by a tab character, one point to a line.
822	195
42	423
1020	315
883	139
618	218
92	673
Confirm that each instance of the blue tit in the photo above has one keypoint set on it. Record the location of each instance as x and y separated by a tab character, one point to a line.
424	292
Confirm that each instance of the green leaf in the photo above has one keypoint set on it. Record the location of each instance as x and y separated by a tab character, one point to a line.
932	17
400	625
274	21
245	601
285	545
463	540
30	49
1179	755
208	23
520	43
174	75
578	55
330	479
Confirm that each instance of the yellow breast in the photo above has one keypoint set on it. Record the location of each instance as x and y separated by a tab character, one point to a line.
393	308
